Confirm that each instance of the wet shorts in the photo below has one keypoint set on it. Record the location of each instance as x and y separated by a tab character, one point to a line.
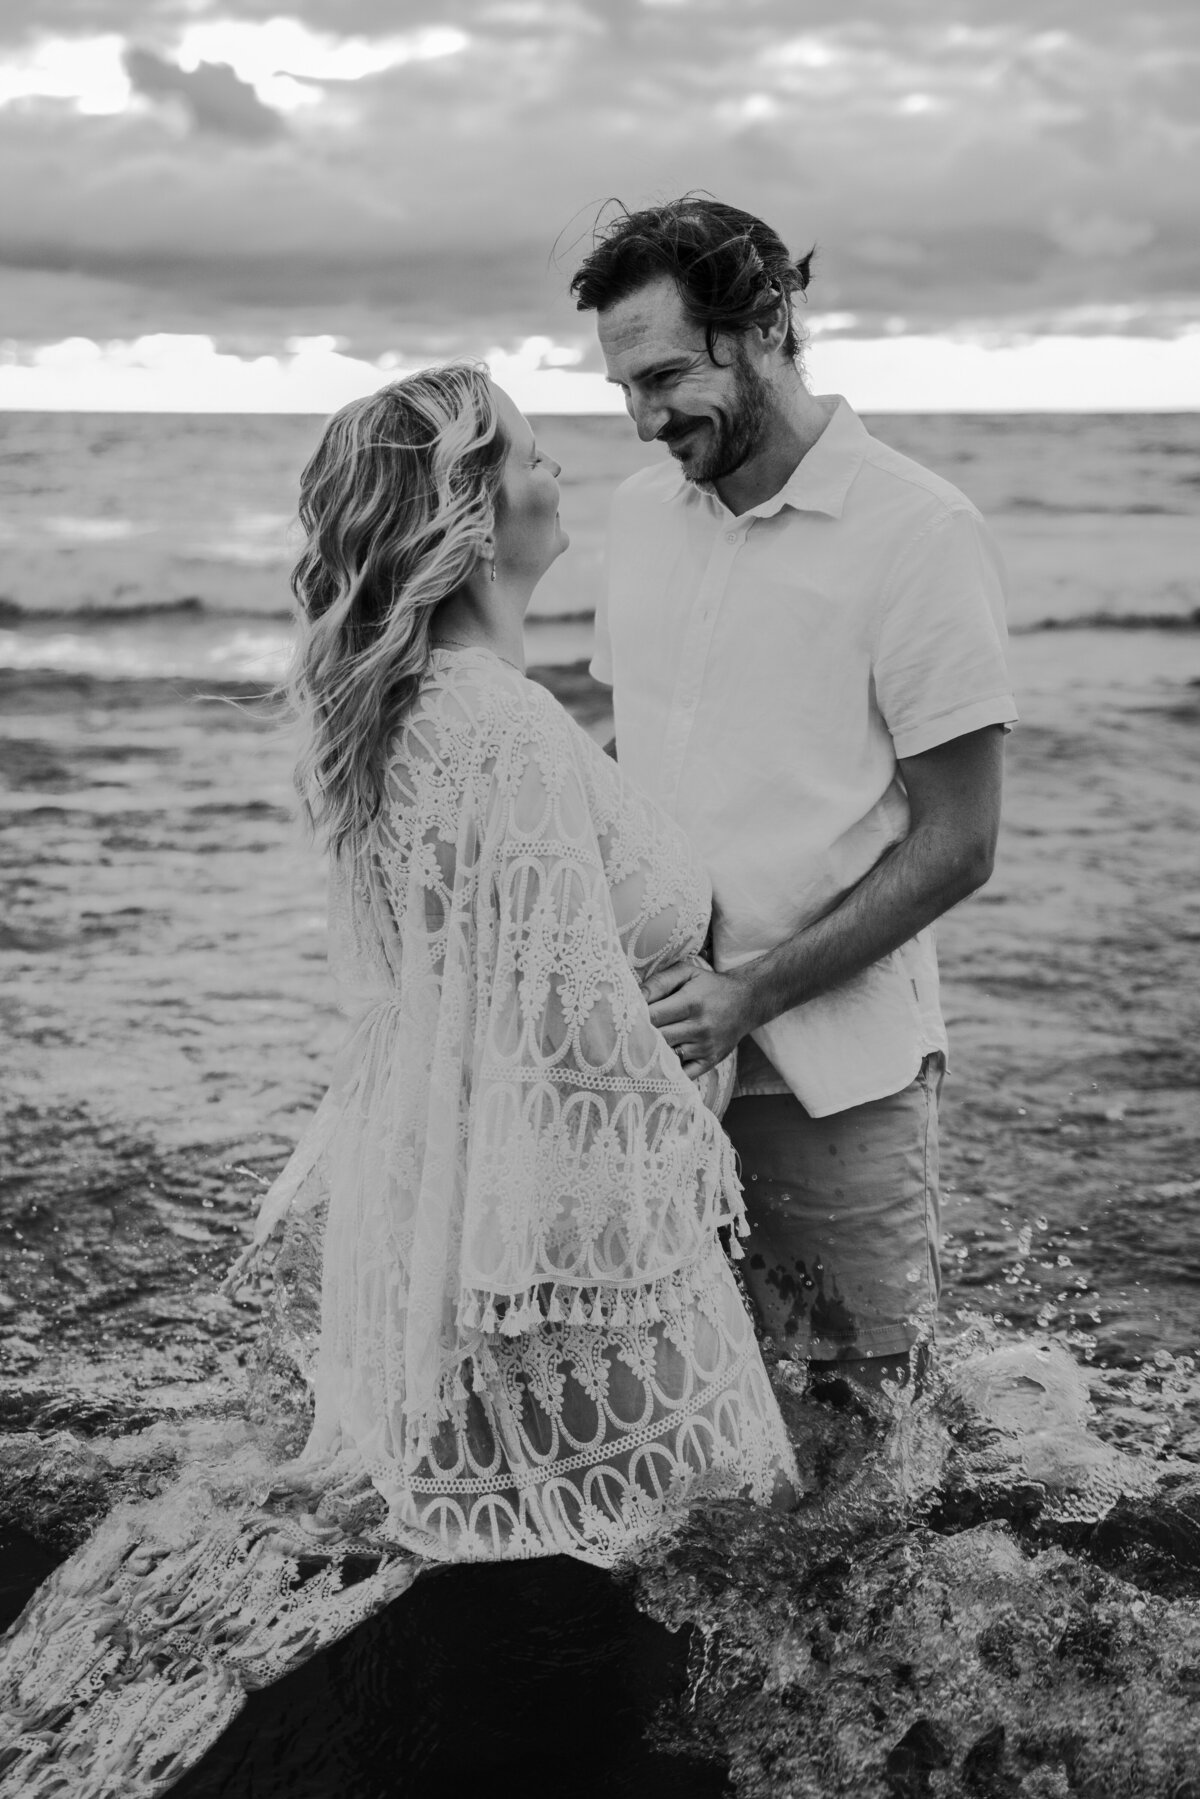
842	1257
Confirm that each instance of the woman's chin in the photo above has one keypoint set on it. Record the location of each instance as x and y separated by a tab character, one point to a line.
561	542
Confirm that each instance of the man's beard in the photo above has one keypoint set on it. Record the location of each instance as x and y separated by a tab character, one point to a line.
735	432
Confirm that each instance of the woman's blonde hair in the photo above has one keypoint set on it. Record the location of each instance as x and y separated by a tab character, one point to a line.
397	503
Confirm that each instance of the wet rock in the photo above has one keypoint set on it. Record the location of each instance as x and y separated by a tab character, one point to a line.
983	1766
54	1490
1170	1520
920	1750
1151	1540
974	1664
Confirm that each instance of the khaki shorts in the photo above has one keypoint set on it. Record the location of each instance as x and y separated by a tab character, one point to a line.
842	1257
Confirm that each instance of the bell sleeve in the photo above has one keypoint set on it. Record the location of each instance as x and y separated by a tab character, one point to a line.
595	1174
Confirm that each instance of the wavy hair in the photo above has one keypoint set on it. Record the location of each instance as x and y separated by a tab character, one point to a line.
731	270
396	504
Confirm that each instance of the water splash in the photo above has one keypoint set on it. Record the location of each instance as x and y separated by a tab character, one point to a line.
983	1595
991	1586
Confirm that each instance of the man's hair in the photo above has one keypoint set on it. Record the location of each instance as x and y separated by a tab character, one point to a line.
730	270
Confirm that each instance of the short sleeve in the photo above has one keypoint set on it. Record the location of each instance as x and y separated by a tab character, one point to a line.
940	668
601	666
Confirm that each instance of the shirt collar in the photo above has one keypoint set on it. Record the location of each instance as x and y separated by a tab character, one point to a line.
820	480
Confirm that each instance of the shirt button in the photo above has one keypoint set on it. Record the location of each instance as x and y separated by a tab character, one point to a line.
731	537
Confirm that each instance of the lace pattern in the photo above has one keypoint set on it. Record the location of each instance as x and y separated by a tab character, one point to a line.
494	1254
507	1130
578	1439
515	1174
136	1654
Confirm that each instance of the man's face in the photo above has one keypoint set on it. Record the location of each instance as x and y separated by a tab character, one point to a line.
710	418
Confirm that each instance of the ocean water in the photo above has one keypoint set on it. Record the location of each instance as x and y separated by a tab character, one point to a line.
995	1590
160	545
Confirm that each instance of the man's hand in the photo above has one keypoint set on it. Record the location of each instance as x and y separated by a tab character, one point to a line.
702	1015
954	805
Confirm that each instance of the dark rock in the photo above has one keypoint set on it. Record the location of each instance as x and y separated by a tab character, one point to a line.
913	1759
983	1769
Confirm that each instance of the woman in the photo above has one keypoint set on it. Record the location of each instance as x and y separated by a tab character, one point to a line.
530	1337
530	1342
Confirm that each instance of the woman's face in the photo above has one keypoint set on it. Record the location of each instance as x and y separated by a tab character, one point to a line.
528	533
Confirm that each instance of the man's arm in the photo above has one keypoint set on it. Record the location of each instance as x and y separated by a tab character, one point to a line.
954	806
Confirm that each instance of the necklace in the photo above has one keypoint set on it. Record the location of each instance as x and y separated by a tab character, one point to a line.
456	643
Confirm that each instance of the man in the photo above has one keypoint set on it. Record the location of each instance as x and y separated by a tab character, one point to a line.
804	636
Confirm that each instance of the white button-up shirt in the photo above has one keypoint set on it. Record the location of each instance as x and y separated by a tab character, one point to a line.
767	672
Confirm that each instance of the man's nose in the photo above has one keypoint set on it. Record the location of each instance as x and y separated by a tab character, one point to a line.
648	416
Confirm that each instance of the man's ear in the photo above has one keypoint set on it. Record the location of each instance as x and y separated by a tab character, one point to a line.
775	334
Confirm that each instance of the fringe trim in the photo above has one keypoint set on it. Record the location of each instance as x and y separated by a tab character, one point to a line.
598	1304
731	1192
488	1314
613	1302
249	1268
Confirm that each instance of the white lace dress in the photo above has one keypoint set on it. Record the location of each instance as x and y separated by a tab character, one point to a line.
495	1258
530	1337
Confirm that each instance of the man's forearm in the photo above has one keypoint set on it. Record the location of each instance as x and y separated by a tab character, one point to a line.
954	810
912	885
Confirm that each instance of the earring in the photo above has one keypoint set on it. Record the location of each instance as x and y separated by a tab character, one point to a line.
492	576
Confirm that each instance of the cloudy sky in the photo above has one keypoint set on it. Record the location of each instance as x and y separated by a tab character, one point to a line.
219	197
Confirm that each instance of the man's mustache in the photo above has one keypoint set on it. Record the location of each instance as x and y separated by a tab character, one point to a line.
672	433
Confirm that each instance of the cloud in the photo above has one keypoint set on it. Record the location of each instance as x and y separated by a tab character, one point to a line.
214	97
1016	161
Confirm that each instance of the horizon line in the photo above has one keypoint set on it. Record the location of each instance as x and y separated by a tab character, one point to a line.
1078	411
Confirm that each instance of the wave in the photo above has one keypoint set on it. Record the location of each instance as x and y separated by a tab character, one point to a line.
85	685
97	530
1085	510
569	682
14	612
1114	621
191	605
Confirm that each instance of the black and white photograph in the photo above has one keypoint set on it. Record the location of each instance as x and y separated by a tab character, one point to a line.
599	820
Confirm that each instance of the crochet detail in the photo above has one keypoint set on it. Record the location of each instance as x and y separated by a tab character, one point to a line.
494	1259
